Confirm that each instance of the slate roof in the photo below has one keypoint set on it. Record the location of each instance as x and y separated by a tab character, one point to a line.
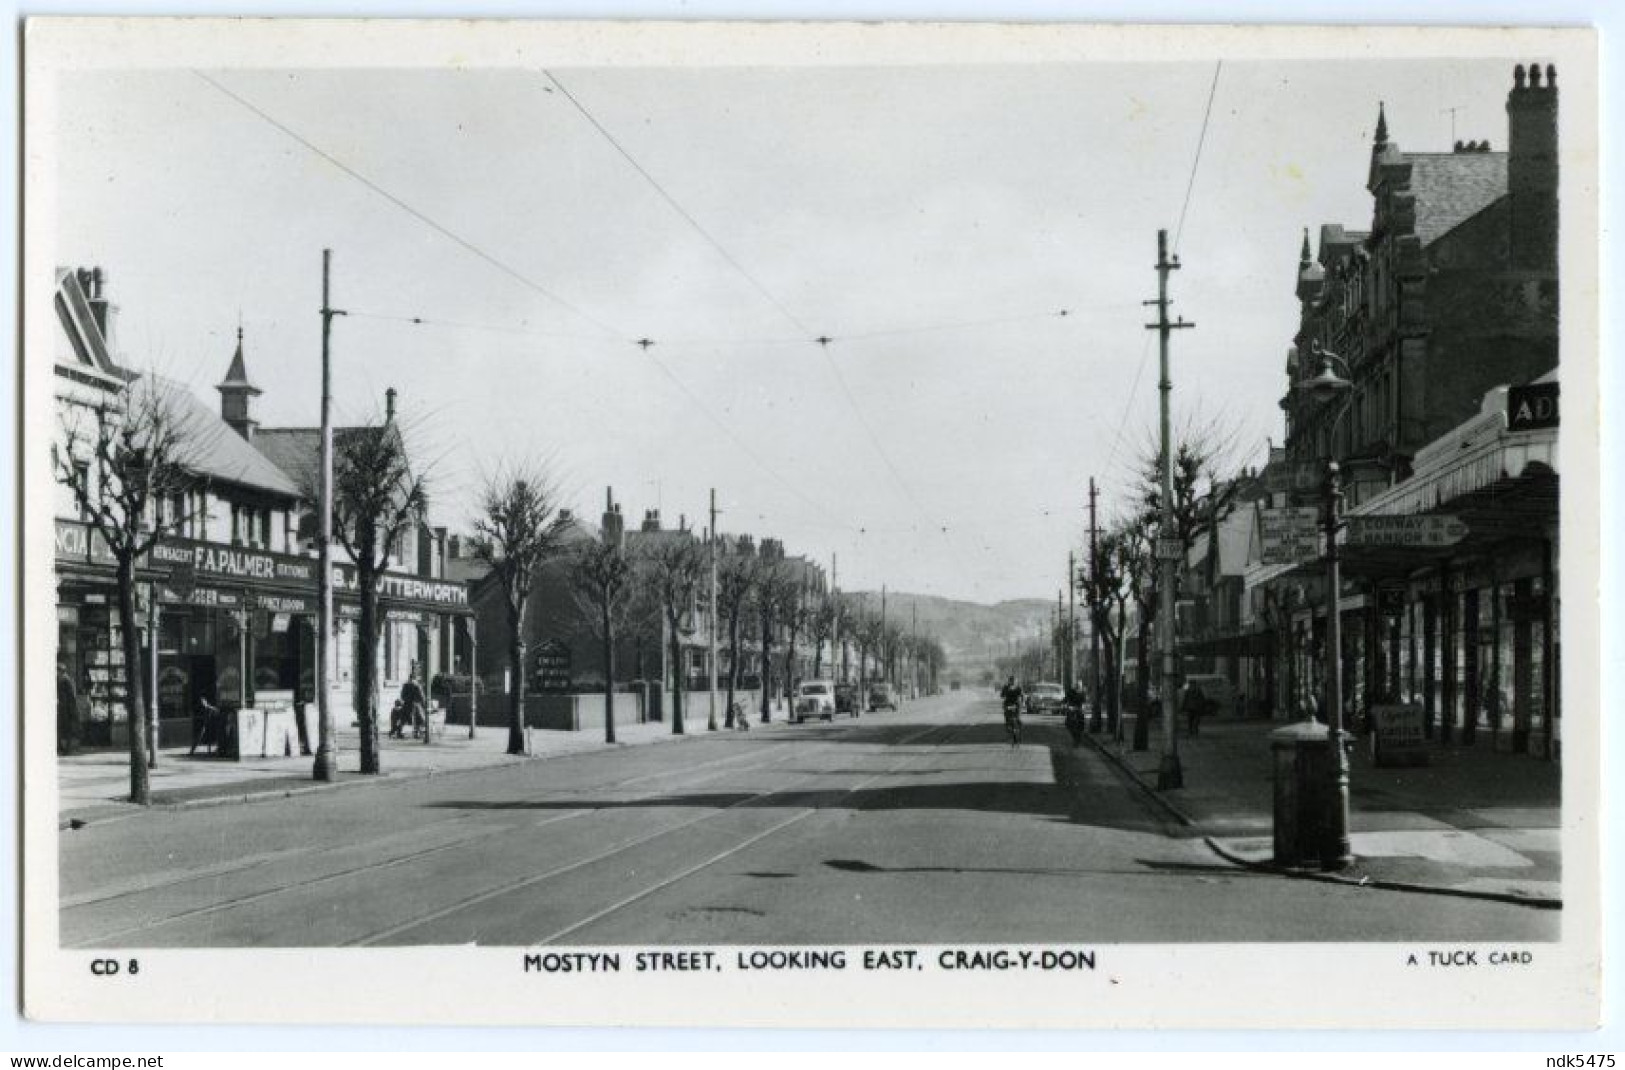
297	450
1452	187
213	449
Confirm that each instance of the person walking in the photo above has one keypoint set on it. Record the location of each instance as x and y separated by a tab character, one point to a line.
415	710
67	712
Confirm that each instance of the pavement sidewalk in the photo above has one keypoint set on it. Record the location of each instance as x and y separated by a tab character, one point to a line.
1472	822
96	785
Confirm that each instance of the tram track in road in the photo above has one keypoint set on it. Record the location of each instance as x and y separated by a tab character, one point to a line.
231	867
748	762
721	856
533	880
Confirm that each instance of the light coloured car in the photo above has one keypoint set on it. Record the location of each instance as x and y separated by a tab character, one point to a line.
814	698
1046	698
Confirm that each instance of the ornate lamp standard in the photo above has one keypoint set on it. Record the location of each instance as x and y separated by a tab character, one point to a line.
1327	387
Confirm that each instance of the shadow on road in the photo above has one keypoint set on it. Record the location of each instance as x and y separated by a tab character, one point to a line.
1080	789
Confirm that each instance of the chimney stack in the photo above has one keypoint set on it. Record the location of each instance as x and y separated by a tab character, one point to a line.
1532	168
614	525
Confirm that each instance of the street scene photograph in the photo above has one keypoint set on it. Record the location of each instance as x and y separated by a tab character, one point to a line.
784	508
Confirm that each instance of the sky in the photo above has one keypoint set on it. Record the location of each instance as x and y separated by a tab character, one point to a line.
933	223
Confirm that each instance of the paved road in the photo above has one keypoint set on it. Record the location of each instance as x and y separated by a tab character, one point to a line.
913	827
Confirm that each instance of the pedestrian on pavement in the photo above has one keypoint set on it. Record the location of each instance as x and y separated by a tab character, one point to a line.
67	711
415	709
1193	705
208	727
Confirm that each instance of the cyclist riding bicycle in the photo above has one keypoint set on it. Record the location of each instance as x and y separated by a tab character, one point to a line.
1014	698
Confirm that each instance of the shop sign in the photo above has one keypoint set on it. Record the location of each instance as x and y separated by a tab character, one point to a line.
215	562
207	597
1289	536
1532	407
81	543
394	586
1170	550
550	666
1295	477
1396	734
1430	532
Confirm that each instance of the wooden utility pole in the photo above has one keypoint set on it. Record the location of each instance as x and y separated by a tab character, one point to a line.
1071	618
711	679
1170	775
326	766
1094	611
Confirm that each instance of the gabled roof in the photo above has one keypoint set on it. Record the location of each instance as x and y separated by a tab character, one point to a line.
82	344
1452	187
297	450
213	449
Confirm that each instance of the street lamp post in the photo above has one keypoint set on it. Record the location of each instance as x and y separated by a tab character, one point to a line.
1326	386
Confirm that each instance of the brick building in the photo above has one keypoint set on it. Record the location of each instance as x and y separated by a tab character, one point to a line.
1442	317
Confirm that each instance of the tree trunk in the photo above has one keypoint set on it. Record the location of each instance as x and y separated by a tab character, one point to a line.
733	668
790	669
767	675
516	708
818	659
367	670
1142	691
679	678
134	708
608	630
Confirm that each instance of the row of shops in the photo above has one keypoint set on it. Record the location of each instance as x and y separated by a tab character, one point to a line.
1465	632
234	626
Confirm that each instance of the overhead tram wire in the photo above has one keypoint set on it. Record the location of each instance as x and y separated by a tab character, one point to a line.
1179	233
439	228
823	342
506	269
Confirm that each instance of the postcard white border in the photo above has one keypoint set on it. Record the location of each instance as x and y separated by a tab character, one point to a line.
1138	986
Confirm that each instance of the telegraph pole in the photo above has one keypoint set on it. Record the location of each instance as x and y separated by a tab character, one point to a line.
1071	618
1170	775
326	766
711	704
1094	611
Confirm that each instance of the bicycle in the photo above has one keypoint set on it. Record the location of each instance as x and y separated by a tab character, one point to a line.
1012	723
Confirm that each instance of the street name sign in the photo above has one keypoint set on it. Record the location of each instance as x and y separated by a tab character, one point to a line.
1170	550
1289	535
1419	531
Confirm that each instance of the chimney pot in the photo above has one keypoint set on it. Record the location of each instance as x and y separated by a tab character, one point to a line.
389	404
1517	76
1534	76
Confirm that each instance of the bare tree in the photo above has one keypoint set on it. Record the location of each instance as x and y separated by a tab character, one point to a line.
127	463
773	579
795	613
673	564
736	585
821	619
518	530
601	575
869	631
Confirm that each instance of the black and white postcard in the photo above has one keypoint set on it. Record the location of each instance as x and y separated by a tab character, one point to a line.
810	524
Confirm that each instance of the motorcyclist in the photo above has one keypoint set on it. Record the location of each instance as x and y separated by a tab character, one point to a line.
1074	714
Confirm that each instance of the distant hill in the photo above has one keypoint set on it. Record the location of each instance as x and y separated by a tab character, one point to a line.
973	634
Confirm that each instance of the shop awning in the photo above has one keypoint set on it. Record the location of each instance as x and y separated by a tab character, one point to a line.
1238	645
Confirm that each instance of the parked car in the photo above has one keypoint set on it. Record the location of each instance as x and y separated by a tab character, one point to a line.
1046	698
814	698
846	699
882	697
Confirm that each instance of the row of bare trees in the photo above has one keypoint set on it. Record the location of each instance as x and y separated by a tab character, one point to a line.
132	464
1122	591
